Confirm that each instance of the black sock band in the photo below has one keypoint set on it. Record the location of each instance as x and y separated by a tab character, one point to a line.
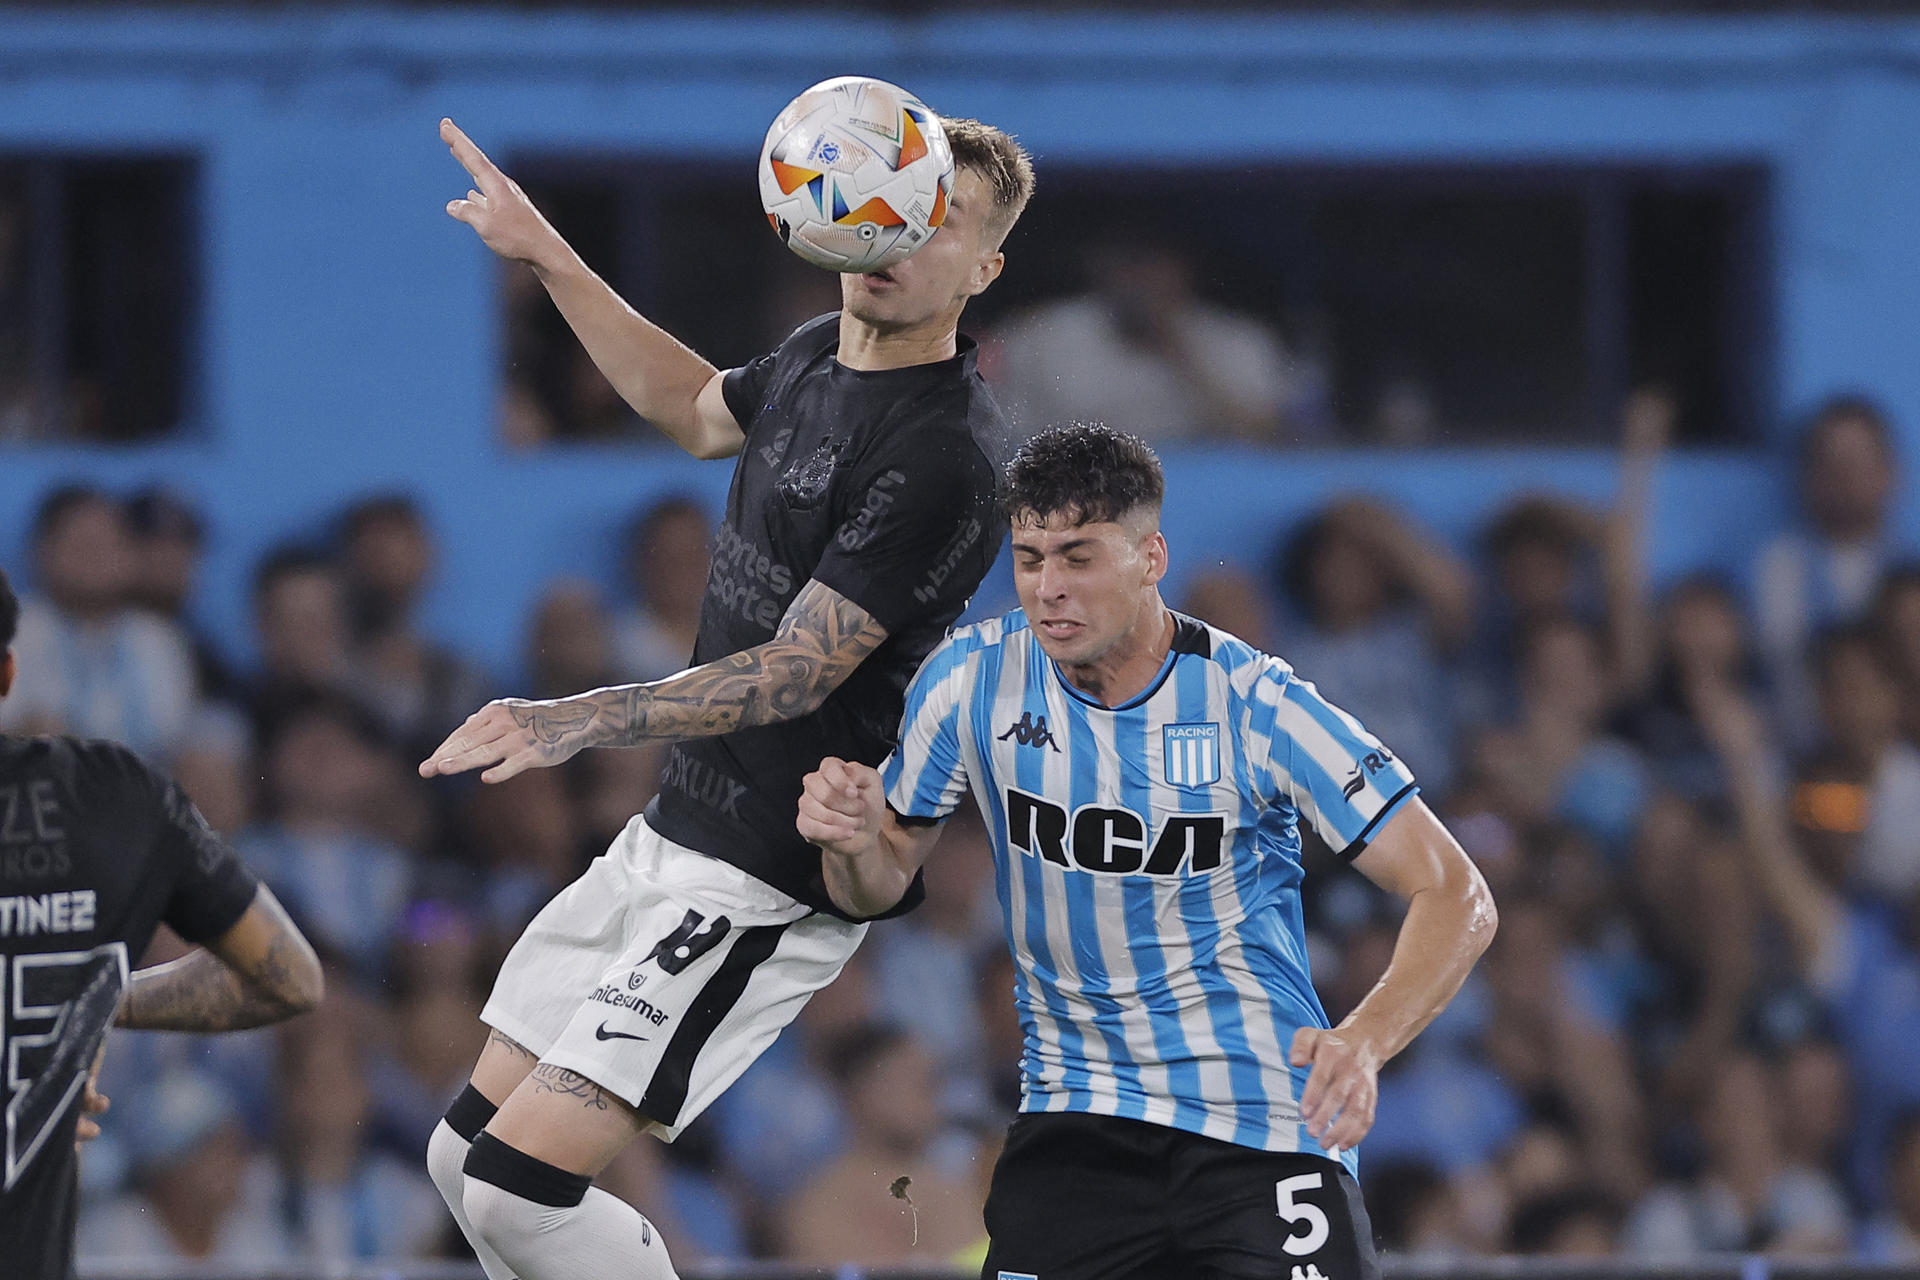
469	1113
518	1173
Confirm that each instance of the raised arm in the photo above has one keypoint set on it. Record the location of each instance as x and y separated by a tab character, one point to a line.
867	855
1811	912
668	384
1646	425
1435	577
1450	920
820	640
259	971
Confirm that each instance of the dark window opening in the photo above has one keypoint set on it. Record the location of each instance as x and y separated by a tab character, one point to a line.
98	274
1513	304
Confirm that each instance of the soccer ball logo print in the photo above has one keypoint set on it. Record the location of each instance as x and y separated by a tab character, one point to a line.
855	174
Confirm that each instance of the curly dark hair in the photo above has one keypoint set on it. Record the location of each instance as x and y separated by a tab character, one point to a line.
1086	471
9	612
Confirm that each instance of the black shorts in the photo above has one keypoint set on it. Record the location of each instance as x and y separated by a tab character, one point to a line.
1079	1197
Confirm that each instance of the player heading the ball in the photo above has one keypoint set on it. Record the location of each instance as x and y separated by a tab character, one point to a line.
860	519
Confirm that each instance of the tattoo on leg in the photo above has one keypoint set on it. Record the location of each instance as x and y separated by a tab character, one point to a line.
548	1078
507	1042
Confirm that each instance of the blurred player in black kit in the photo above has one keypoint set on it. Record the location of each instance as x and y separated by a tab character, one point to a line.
861	518
96	851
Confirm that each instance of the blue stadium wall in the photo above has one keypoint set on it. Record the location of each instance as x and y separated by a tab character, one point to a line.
350	338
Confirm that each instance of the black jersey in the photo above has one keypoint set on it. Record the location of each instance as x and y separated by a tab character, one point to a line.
881	485
96	850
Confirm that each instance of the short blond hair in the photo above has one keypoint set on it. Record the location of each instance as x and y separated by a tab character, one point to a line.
1004	163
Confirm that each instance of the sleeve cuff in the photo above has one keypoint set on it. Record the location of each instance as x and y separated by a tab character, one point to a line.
1358	845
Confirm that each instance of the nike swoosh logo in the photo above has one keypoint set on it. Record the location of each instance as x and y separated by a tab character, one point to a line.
601	1033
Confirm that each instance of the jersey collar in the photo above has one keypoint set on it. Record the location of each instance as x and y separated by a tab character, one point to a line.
1190	636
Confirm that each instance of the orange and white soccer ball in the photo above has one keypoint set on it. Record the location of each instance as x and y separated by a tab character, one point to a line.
855	174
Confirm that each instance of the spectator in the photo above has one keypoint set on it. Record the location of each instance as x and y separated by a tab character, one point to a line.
1556	759
203	1192
1698	969
1559	1052
1415	1212
846	1214
1748	1195
1862	964
1378	612
94	665
1144	353
525	836
20	417
216	769
1857	798
785	1119
924	963
346	885
569	646
1230	598
1553	559
440	970
345	1202
300	612
1824	571
1544	566
1893	1236
684	1204
615	785
1702	635
666	566
1810	1075
1567	1224
168	538
1896	623
418	689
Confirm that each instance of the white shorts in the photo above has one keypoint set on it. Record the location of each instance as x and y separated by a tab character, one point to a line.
661	974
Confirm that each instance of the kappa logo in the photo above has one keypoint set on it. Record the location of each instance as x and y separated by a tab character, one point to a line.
1030	730
1370	764
1309	1272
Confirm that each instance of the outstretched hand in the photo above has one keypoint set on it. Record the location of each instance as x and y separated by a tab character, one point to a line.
513	735
842	805
1342	1089
496	208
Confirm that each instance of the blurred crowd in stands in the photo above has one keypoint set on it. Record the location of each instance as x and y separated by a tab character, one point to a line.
1697	1031
1142	350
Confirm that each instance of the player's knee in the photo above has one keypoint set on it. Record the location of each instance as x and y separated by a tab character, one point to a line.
448	1144
446	1153
511	1196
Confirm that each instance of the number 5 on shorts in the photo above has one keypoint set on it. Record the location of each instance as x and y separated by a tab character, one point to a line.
1298	1211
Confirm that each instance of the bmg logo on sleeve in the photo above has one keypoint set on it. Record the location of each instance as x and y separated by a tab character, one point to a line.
1191	754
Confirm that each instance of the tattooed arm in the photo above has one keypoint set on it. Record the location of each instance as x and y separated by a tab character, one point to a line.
259	971
822	638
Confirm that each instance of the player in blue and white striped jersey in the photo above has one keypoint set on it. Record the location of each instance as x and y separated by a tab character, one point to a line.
1144	778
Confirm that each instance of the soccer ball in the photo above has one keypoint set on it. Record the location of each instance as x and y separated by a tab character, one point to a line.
855	174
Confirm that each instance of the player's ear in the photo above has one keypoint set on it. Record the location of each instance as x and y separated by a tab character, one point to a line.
8	668
985	271
1156	551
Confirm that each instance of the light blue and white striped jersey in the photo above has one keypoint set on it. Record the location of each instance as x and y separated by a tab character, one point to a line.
1147	858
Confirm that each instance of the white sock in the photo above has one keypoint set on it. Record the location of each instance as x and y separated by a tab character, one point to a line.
446	1154
548	1224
